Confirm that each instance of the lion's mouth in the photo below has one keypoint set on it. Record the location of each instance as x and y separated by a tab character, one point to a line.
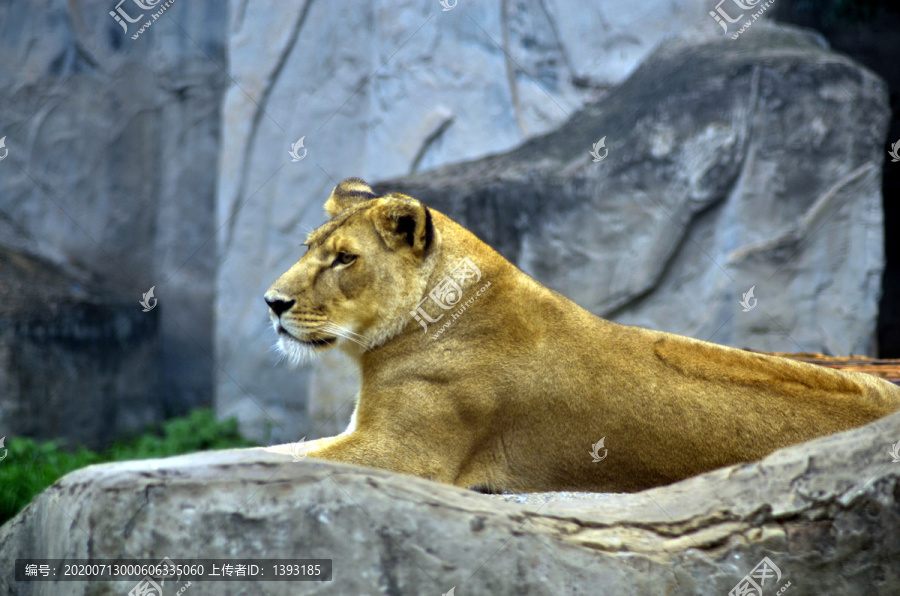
320	342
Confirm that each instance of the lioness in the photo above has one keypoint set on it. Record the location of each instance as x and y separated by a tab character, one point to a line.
476	375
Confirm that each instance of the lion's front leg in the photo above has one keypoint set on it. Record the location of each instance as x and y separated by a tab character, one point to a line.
302	448
387	453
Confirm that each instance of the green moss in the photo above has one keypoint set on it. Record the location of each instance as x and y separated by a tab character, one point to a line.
31	466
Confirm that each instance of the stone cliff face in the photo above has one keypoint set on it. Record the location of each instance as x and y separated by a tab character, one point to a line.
113	144
729	166
76	359
868	32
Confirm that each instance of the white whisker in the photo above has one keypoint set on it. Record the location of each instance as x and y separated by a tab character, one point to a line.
335	327
345	333
348	338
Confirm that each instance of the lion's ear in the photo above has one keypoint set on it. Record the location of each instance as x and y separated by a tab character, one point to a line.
346	194
405	224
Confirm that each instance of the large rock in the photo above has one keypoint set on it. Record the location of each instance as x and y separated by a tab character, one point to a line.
380	89
76	359
113	145
730	166
826	514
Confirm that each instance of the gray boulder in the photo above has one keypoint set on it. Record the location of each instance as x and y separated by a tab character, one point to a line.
729	166
823	516
77	360
113	146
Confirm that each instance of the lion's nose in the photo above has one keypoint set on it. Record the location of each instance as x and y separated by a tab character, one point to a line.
278	305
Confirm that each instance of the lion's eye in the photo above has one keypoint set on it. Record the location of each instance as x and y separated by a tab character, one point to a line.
343	258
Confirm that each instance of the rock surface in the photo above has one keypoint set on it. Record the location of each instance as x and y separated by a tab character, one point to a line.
380	89
825	513
730	166
76	359
113	145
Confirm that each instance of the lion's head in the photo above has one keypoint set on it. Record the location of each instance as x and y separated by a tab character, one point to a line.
360	277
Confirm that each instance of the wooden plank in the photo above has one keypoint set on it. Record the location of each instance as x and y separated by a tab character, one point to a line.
887	369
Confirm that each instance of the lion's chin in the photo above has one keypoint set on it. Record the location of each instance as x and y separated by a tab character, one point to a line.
297	351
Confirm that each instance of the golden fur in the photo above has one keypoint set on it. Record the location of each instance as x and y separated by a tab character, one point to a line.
513	393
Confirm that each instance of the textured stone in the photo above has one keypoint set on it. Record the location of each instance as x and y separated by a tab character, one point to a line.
113	145
730	166
76	359
826	513
380	89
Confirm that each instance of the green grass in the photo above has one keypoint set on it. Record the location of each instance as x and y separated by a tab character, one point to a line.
31	466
